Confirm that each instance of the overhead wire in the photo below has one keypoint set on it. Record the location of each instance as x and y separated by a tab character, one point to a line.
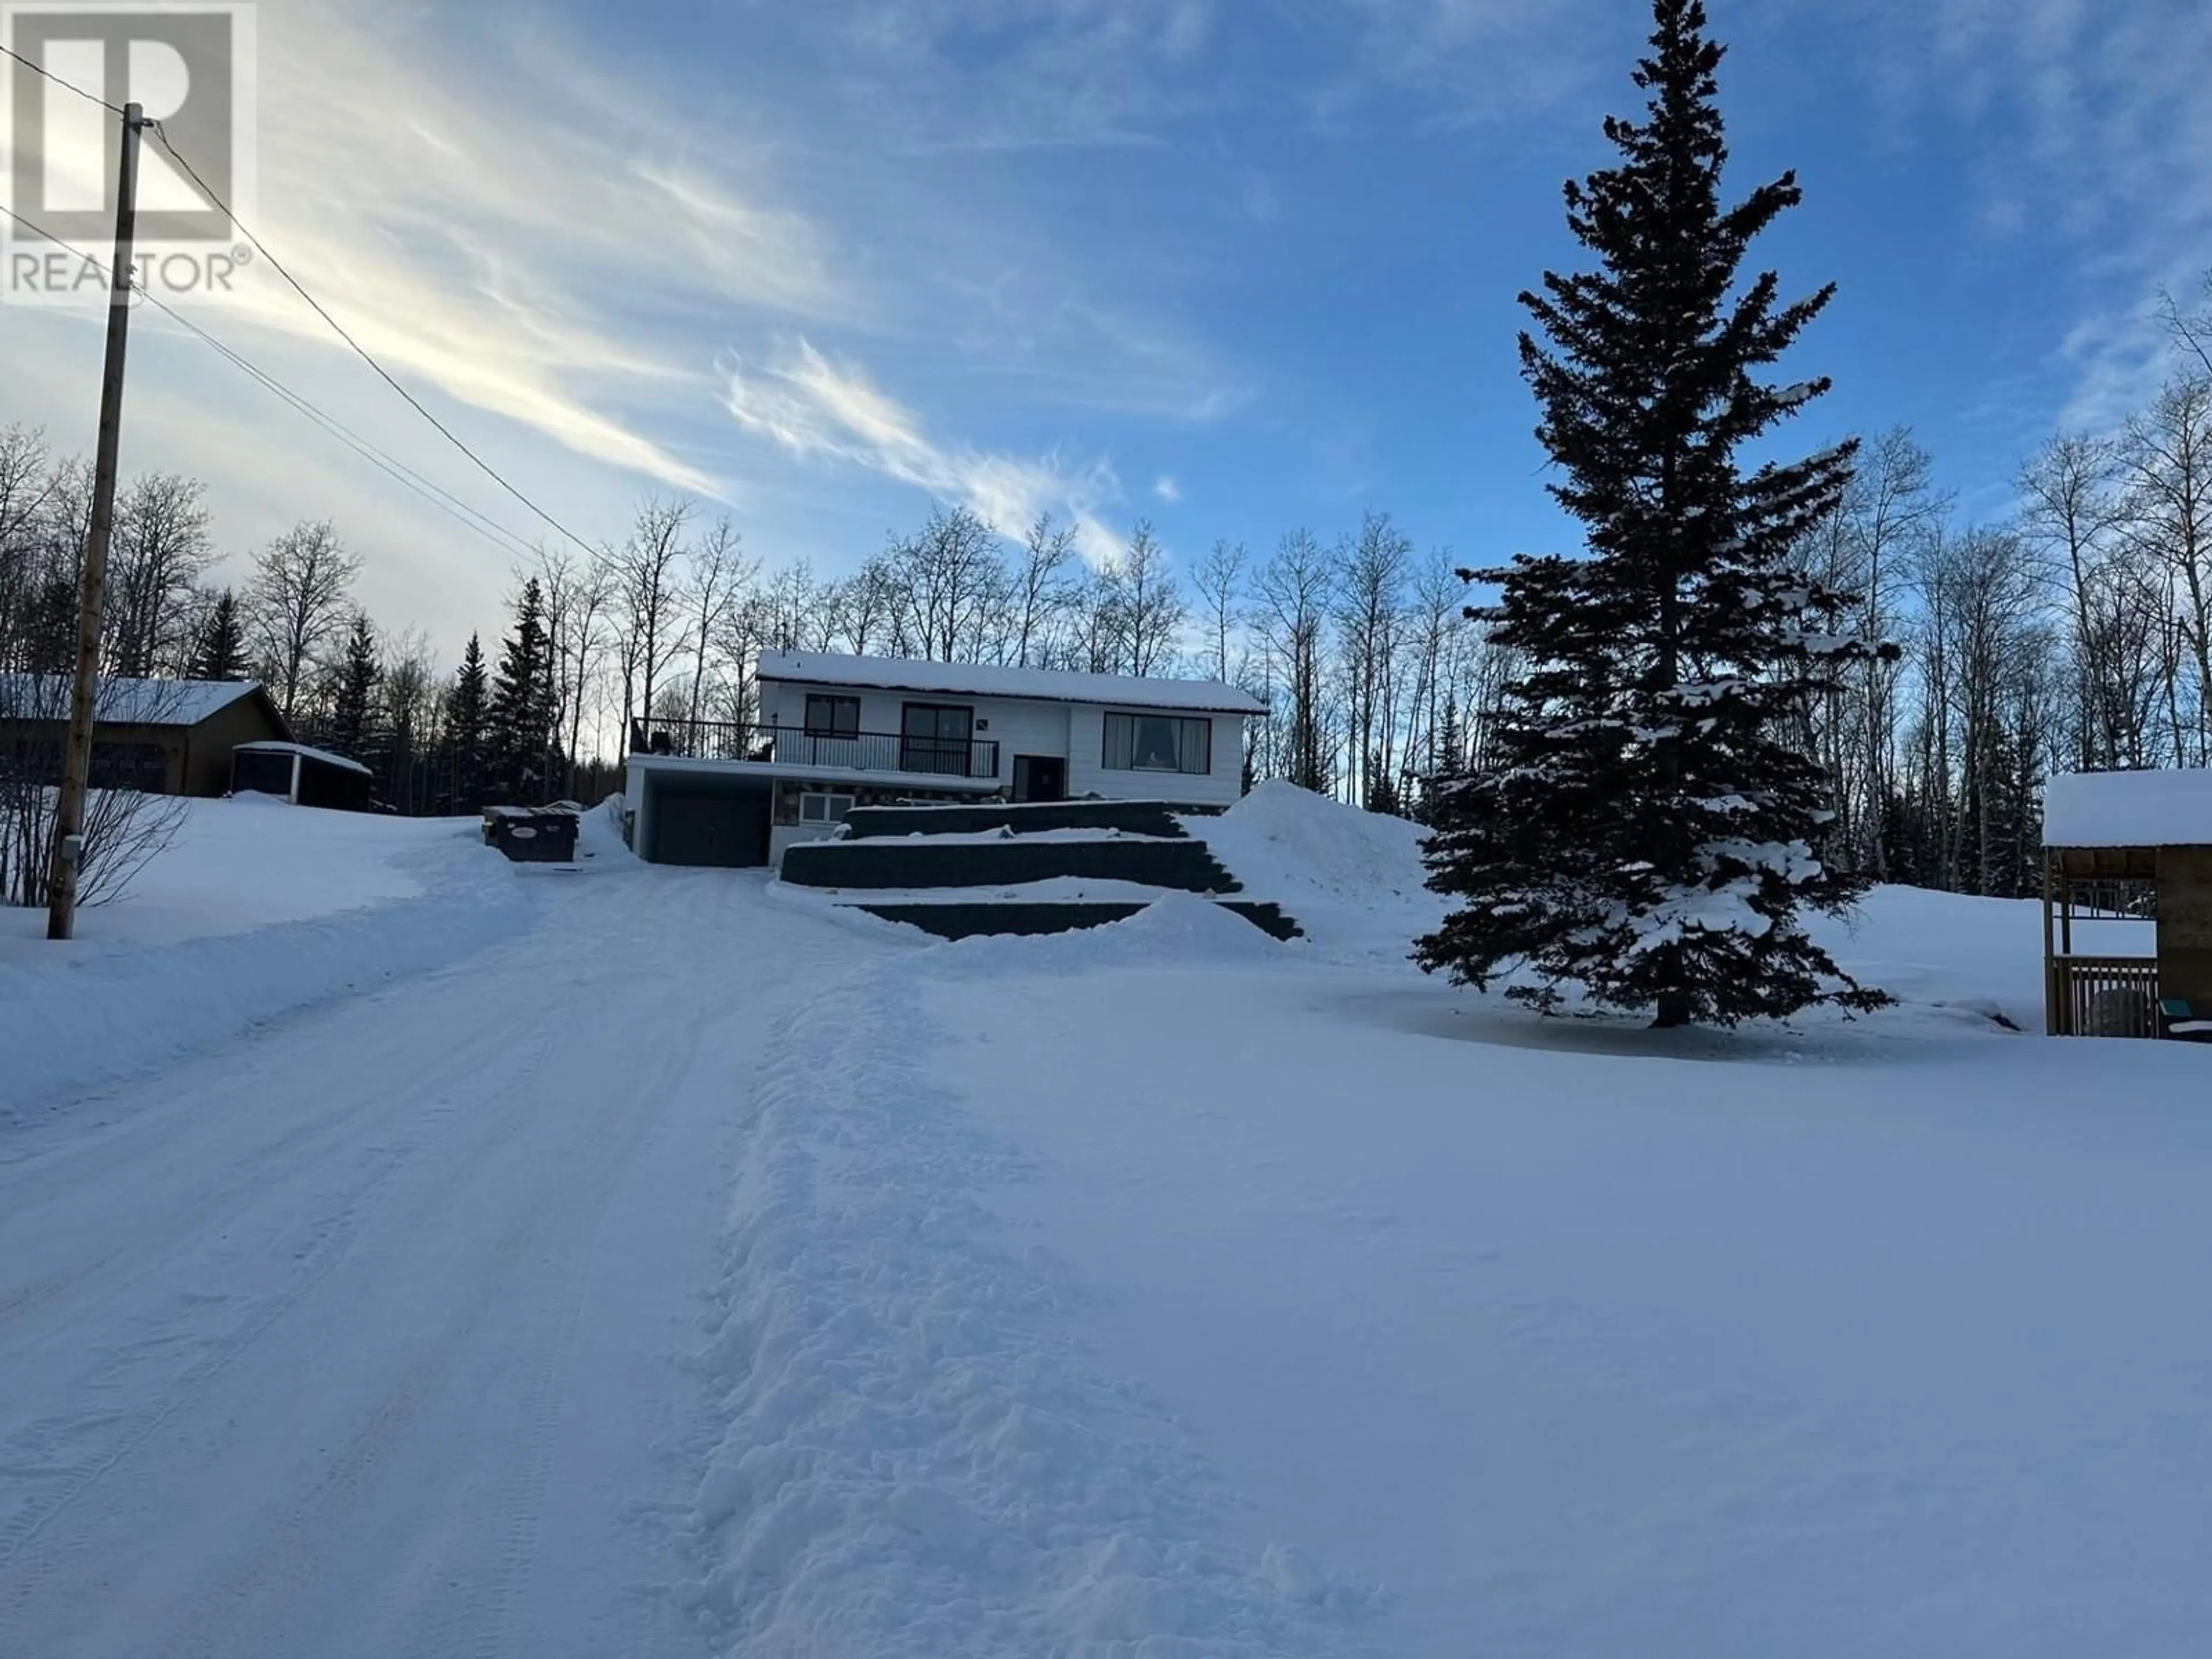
299	288
359	350
436	494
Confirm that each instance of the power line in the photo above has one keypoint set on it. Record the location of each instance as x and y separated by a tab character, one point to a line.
359	350
40	68
436	495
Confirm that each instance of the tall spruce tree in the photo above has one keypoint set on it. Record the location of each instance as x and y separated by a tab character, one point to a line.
353	693
521	714
468	714
220	652
1645	830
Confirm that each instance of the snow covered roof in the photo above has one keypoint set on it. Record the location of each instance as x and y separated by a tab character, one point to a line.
2127	809
271	746
123	702
988	680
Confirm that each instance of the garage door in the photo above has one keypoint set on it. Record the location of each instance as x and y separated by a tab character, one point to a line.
698	827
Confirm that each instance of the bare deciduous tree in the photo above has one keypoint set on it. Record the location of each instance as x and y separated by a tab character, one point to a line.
949	579
648	573
2166	458
298	599
159	551
1220	580
721	576
1040	588
1143	605
1295	589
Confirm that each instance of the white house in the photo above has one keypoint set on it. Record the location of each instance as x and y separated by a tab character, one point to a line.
836	732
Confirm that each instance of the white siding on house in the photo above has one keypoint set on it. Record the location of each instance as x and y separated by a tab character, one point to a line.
1087	773
1025	728
1074	731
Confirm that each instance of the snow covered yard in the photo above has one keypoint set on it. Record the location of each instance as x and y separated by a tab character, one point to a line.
255	910
1162	1290
1149	1293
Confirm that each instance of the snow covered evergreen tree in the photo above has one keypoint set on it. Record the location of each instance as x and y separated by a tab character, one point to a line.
1647	832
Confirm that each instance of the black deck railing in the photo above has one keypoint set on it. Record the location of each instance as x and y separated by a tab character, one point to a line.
793	745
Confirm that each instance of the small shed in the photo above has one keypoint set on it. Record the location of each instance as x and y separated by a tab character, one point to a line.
2127	900
301	775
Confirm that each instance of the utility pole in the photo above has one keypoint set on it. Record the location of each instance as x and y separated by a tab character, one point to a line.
92	587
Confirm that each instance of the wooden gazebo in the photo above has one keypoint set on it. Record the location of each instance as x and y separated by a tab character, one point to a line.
2126	854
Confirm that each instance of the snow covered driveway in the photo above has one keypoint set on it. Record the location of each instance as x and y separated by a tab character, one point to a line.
367	1335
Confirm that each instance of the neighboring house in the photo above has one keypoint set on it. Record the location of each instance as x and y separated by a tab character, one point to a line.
837	731
168	737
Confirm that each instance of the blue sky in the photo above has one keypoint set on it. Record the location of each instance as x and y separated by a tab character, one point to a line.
1238	265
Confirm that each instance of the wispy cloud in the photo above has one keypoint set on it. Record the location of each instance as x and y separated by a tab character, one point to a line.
1452	53
1167	488
512	276
1002	76
815	409
2113	114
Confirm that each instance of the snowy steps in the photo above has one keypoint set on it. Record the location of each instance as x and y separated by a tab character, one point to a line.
954	851
954	919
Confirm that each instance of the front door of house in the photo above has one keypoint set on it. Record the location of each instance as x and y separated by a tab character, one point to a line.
1040	777
937	737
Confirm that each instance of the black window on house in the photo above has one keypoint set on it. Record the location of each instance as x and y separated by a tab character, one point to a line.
938	738
1157	743
832	717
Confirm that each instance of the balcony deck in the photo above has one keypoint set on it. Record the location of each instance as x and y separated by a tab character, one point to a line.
728	747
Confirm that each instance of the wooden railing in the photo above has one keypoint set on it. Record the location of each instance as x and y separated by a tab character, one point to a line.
2103	996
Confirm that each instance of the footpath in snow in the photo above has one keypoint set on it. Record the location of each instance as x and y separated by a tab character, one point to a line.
1163	1291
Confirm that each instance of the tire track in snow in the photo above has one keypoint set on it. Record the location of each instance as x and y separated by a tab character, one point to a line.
323	1253
433	1424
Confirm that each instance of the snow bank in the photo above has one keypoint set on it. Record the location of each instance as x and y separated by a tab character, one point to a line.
259	910
921	1459
600	843
1352	880
1172	927
242	863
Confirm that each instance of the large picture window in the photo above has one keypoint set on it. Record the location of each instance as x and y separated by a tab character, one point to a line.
1157	743
832	717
